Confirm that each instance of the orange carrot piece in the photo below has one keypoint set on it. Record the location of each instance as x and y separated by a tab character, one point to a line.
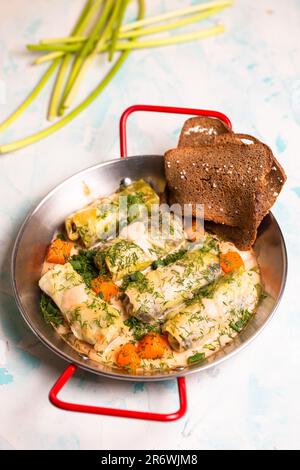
106	288
152	346
230	261
128	357
59	251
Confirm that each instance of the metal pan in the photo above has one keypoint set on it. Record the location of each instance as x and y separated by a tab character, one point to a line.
37	231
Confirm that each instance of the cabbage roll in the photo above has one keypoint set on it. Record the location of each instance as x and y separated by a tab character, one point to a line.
152	295
137	247
90	318
121	257
216	314
100	219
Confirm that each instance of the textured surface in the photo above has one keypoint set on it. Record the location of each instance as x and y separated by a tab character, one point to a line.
251	73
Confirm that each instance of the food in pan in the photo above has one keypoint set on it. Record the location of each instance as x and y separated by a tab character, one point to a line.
137	247
131	286
208	319
91	319
158	291
145	298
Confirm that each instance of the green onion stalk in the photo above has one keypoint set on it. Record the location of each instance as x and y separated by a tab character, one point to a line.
83	22
132	45
63	45
107	31
100	29
78	109
59	46
49	72
121	6
85	51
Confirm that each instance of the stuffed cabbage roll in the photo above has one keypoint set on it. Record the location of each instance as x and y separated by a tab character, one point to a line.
90	318
152	295
216	314
121	257
137	247
101	218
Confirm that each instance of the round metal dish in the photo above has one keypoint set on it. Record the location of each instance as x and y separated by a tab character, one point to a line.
39	226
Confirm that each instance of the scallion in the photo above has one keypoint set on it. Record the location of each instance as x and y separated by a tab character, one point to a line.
99	29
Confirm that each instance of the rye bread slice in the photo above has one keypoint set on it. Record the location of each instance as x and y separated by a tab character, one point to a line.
243	238
274	180
200	130
227	178
212	131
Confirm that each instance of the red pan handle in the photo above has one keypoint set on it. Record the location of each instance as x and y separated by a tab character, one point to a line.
100	410
163	109
69	371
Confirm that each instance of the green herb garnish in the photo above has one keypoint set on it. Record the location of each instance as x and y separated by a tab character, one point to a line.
140	329
100	29
210	245
136	279
201	293
172	258
242	322
61	236
136	198
83	263
99	261
198	357
260	292
50	311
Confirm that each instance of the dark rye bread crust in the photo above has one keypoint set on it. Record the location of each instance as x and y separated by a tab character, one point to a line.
225	177
243	238
204	130
201	130
274	180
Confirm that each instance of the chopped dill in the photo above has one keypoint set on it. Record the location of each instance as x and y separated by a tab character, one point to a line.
210	245
242	322
198	357
201	293
135	198
83	263
61	236
120	255
50	311
172	258
99	261
260	292
140	329
136	279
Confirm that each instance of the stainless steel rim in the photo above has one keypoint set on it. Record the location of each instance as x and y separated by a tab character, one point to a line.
116	375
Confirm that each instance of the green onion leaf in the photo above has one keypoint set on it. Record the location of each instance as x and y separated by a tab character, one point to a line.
198	357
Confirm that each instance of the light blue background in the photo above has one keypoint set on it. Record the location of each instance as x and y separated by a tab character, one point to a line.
251	73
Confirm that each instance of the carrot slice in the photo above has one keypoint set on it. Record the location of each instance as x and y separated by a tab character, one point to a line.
59	251
128	357
152	346
230	261
106	288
